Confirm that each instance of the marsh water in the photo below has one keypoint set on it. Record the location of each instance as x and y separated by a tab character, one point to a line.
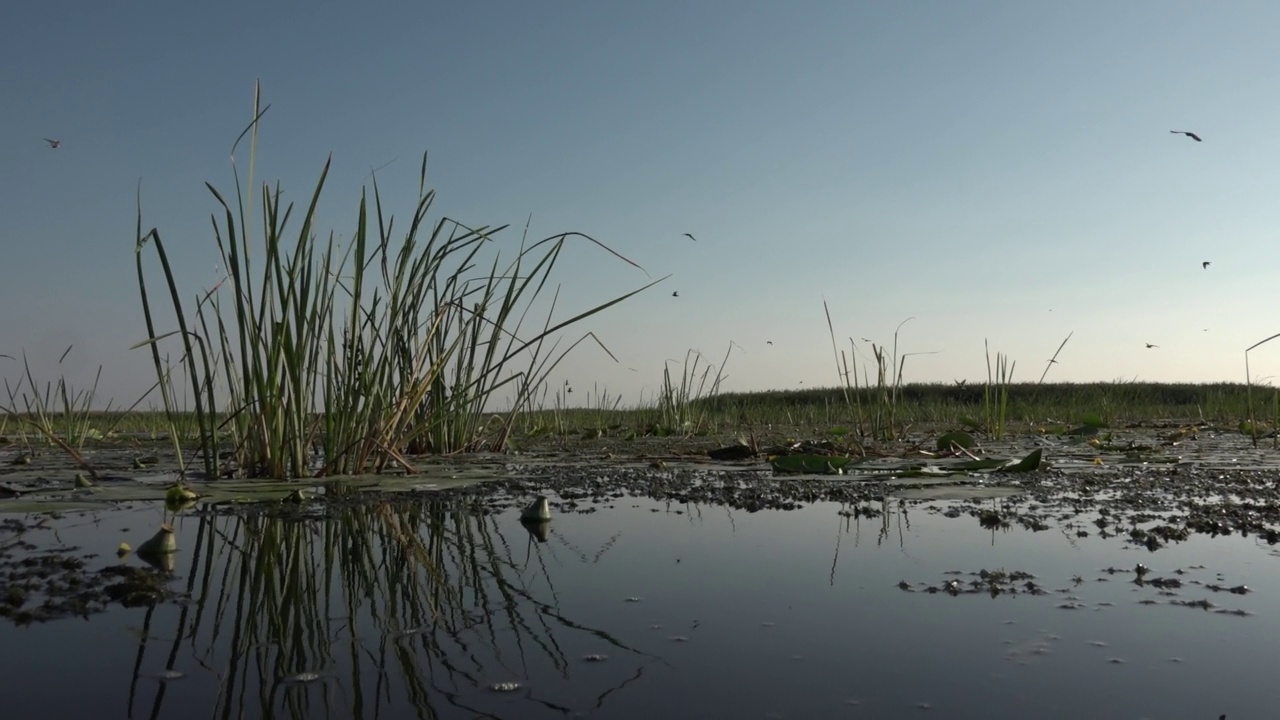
440	606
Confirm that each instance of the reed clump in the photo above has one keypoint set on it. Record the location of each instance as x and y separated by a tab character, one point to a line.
314	359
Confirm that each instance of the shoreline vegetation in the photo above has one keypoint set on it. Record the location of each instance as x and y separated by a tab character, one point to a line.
313	357
1030	407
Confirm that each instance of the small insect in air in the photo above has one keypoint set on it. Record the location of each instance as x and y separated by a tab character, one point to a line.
1191	135
53	143
1149	346
1206	264
691	237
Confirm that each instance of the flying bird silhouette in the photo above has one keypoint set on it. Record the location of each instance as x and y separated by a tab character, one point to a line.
1205	264
1149	345
1191	135
691	237
675	294
53	143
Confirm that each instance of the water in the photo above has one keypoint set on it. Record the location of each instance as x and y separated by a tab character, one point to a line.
642	609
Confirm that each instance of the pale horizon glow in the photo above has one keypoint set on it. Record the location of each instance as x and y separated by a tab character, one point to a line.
998	171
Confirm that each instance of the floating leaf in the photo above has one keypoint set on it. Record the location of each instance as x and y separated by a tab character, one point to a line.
986	464
163	542
817	464
1026	464
956	439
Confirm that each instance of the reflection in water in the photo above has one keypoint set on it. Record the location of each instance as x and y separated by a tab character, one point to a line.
442	609
376	610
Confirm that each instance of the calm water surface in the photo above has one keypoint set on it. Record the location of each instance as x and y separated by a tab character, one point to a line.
644	609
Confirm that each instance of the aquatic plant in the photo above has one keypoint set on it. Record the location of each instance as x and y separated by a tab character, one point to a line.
56	410
1252	428
681	403
995	396
1054	360
384	349
879	419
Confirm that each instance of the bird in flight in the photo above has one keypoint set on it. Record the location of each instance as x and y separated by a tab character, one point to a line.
691	237
1191	135
675	293
1205	264
769	342
53	143
1149	346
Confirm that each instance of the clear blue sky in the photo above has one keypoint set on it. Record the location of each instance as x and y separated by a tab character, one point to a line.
998	170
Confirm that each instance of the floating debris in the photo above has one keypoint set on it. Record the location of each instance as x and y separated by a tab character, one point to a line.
1237	590
165	675
537	511
162	543
179	495
506	687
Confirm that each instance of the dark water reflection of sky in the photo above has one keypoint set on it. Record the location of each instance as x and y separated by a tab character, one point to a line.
781	614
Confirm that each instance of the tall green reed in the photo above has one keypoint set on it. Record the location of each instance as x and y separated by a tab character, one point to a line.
387	348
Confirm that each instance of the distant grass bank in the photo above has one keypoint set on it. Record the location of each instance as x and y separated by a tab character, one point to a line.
852	410
1027	402
1030	405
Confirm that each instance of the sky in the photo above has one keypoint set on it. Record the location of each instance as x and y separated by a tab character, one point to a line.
998	172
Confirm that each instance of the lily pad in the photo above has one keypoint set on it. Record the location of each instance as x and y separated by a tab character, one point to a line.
956	439
1026	464
818	464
